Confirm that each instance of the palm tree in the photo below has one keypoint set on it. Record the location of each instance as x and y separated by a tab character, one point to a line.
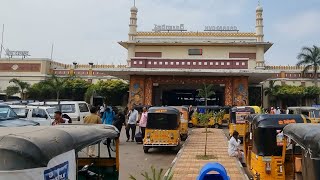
269	90
206	91
23	86
56	84
310	58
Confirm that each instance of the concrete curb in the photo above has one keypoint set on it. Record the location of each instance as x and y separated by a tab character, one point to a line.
173	163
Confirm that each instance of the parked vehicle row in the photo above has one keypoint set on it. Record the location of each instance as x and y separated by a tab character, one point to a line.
76	110
8	118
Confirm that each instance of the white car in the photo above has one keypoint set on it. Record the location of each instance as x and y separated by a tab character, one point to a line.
44	115
76	110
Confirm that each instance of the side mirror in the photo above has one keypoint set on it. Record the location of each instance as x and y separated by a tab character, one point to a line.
46	116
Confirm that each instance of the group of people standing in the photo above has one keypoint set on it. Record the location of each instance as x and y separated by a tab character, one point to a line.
110	116
277	110
133	120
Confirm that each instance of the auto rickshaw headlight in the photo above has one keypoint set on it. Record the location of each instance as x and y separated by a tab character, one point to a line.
268	167
148	135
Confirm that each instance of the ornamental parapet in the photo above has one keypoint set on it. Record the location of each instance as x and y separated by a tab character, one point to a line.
286	68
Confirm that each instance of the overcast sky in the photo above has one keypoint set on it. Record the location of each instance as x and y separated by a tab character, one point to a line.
88	30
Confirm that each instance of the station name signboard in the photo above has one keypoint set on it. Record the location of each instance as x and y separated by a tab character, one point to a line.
17	53
221	28
164	27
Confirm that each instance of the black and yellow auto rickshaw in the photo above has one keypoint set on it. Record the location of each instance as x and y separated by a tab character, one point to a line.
59	152
237	118
312	112
163	128
183	121
216	123
302	147
263	152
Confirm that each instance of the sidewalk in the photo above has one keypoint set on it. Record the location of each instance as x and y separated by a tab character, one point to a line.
187	167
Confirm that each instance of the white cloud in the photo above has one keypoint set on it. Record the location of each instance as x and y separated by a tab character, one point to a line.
302	25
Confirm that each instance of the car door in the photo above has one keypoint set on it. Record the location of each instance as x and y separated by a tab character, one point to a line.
84	110
40	116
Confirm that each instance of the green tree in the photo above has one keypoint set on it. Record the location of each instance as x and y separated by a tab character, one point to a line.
75	88
310	58
11	90
23	86
206	91
270	91
112	90
57	84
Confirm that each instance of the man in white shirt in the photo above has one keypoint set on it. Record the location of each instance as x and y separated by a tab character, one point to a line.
234	147
131	124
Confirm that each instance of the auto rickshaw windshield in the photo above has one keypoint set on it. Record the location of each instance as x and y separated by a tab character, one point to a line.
162	121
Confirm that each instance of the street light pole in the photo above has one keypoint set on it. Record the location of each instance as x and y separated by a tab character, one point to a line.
1	47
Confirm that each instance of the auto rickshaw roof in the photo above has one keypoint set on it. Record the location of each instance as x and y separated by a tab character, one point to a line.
307	136
33	147
166	110
276	120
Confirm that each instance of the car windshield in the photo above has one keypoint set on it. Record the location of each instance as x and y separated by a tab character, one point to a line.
7	113
51	112
21	112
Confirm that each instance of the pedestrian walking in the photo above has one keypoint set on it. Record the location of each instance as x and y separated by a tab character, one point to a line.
108	116
93	118
119	121
278	111
143	121
131	124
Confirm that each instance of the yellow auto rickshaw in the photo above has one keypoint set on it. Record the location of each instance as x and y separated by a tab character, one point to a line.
301	151
183	121
163	128
216	123
312	112
263	145
237	118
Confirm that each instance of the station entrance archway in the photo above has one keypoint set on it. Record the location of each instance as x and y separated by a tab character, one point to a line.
142	90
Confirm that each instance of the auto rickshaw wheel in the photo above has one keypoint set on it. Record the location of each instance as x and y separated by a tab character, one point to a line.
216	126
145	149
184	137
190	125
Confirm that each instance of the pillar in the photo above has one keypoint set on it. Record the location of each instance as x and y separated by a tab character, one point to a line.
240	91
148	91
136	91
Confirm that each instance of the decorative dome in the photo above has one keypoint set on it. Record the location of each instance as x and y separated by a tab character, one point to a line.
259	8
134	9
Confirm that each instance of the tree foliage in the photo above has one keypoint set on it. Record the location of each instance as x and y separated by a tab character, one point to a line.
155	175
59	88
113	90
23	86
206	91
11	90
310	58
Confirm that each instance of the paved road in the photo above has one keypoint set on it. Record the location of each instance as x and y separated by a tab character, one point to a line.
134	161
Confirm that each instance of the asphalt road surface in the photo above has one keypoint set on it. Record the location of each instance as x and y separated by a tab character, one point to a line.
133	161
